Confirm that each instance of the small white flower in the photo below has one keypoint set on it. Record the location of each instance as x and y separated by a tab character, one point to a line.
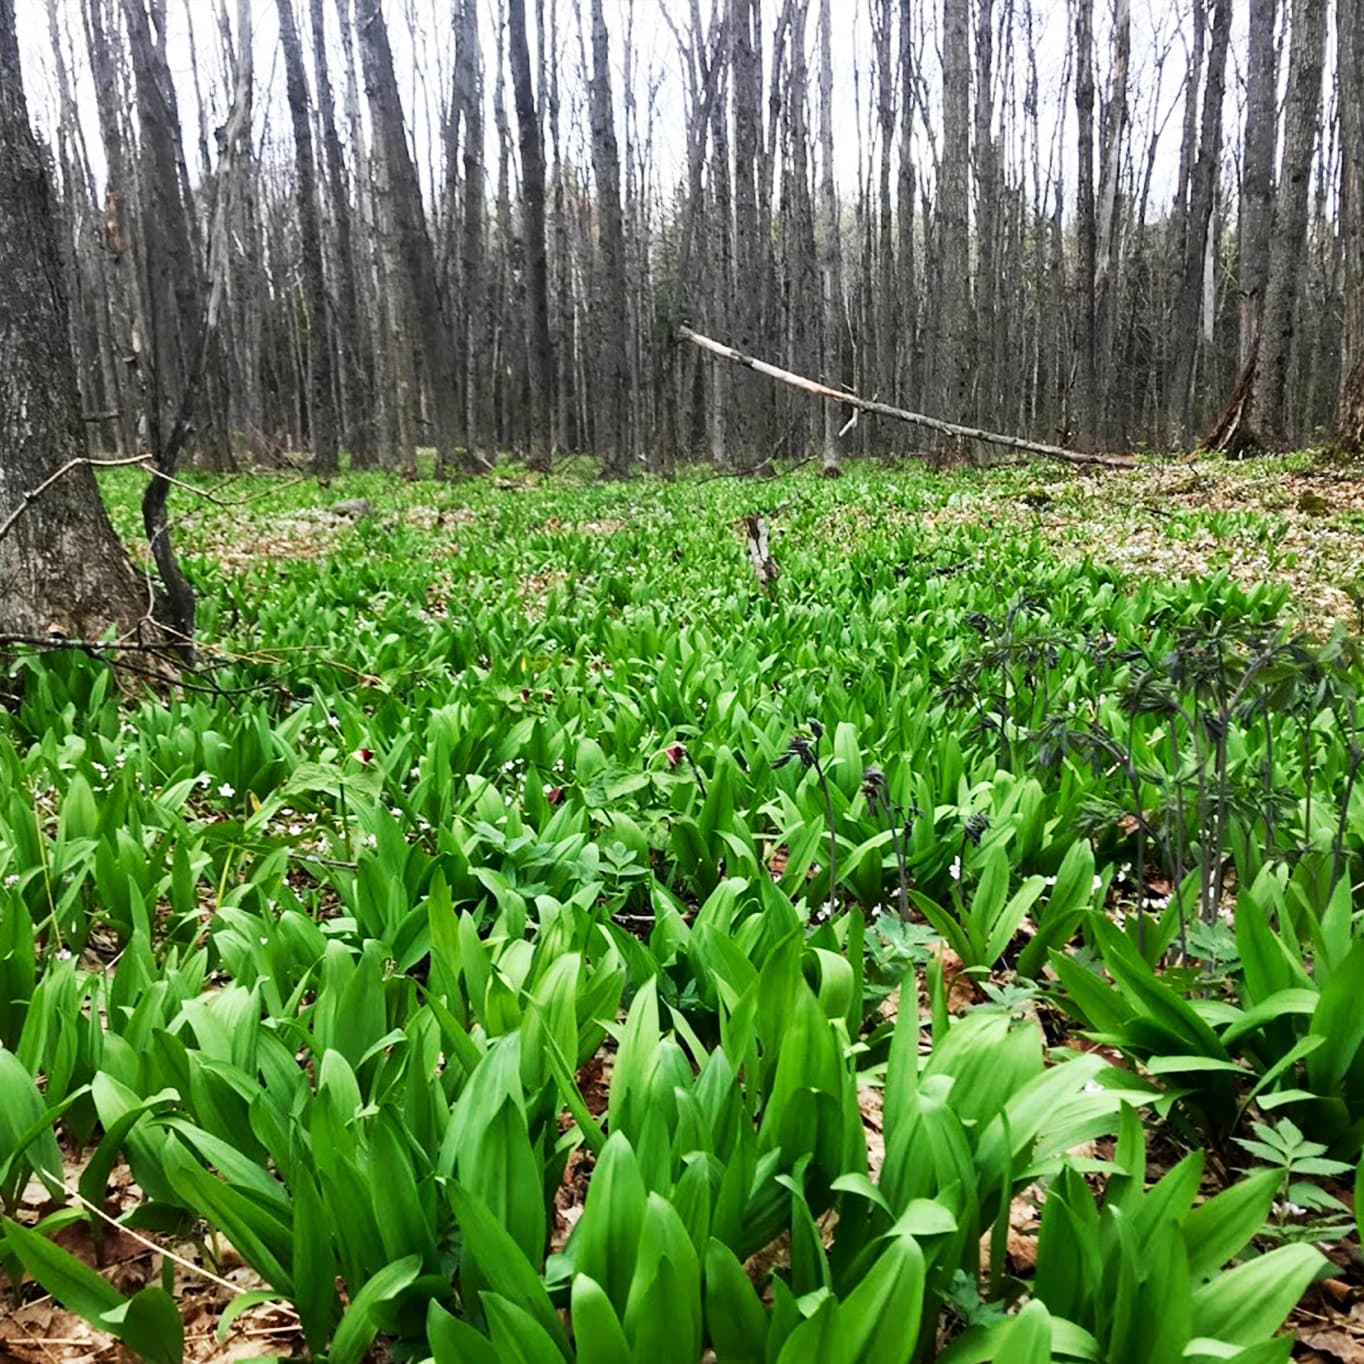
1048	880
64	954
371	840
11	880
100	768
414	774
295	830
1097	882
202	780
227	790
265	942
954	871
548	788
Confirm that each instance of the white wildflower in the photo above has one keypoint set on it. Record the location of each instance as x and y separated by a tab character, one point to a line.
954	871
227	790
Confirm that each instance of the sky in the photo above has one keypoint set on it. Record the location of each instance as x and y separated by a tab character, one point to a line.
422	43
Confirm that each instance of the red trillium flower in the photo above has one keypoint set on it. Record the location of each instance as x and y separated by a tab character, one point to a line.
554	794
673	753
363	754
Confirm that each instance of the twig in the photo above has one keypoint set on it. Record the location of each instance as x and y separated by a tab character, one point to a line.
35	493
945	428
137	1236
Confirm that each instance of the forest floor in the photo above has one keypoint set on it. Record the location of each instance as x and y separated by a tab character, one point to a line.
1292	523
1296	520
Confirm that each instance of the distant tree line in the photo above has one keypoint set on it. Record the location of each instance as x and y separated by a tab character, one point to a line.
1008	241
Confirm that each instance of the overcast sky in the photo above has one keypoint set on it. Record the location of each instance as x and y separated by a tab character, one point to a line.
423	27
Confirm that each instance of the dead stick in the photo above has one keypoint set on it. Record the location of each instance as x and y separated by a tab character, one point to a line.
834	395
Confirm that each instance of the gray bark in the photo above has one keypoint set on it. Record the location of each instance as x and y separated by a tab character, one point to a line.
62	568
1257	173
613	323
1305	59
533	236
321	398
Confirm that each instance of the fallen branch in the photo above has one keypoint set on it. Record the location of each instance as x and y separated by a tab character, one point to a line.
945	428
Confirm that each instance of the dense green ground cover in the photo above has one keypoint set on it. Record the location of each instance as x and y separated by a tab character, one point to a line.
527	845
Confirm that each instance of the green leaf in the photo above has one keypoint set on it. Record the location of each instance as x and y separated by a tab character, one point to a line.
597	1332
493	1258
26	1126
314	1264
74	1284
1219	1229
453	1341
606	1238
735	1319
1248	1304
517	1336
360	1324
243	1302
149	1324
879	1320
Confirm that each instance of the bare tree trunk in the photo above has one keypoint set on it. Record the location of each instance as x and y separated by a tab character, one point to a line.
613	321
987	208
1202	191
1086	228
172	278
321	398
414	245
1108	265
1350	93
62	569
887	326
1306	55
954	259
908	378
831	273
746	87
352	335
1257	173
468	95
533	228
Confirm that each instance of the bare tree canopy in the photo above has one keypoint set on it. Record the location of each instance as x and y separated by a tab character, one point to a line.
475	227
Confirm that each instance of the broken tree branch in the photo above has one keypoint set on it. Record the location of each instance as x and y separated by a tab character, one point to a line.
946	428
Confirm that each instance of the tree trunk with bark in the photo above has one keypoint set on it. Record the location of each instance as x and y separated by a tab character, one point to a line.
1086	403
1202	191
831	272
1305	60
321	397
415	252
1350	93
1257	173
352	337
62	568
533	236
953	359
613	322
